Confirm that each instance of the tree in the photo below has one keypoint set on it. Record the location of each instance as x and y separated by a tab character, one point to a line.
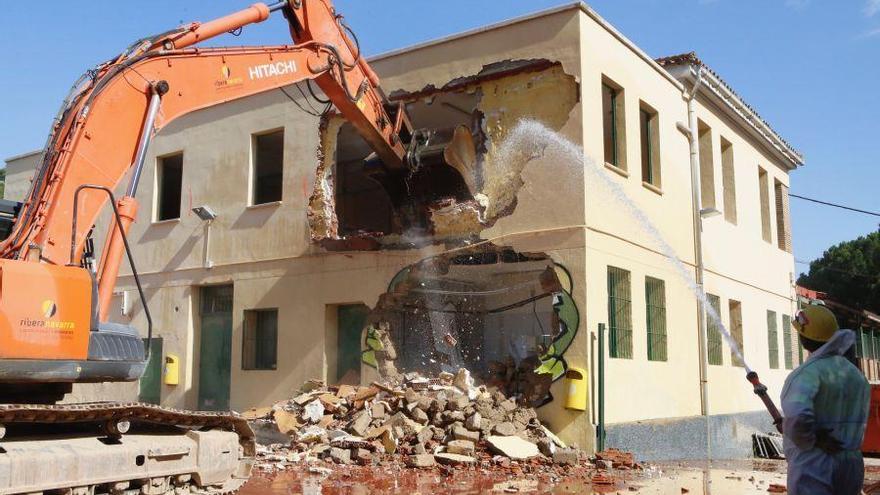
849	273
2	182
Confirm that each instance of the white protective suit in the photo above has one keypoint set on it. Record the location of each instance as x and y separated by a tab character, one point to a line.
825	392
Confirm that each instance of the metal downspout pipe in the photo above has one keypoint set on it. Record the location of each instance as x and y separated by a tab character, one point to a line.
691	131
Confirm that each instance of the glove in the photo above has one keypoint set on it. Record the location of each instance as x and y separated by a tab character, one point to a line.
827	442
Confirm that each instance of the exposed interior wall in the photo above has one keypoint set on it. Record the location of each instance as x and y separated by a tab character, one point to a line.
350	208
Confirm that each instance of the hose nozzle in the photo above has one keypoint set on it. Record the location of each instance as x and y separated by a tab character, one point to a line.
761	391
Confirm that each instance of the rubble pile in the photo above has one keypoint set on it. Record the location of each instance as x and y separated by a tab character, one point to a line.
417	421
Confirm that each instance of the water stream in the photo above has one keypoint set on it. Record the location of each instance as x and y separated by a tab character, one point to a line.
531	138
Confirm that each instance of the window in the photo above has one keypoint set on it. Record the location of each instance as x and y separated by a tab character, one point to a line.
783	221
787	345
260	340
728	181
655	306
773	339
268	166
716	357
860	344
649	128
800	351
875	342
613	124
786	327
736	331
867	345
619	313
764	193
169	180
707	166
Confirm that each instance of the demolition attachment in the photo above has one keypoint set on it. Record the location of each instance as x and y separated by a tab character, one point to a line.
761	391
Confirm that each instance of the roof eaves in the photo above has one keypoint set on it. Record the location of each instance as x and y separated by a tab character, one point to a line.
22	155
735	102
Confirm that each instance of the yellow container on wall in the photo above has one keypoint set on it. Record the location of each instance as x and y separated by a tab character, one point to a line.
576	387
172	369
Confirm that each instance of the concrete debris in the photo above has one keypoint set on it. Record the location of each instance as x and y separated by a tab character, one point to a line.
460	447
512	447
420	461
417	422
313	411
619	459
566	456
454	459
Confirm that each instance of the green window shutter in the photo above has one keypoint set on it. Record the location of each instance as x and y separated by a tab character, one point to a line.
716	356
655	301
787	348
773	339
619	313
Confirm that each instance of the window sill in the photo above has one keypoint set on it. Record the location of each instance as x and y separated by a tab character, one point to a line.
270	204
170	221
619	171
259	369
652	188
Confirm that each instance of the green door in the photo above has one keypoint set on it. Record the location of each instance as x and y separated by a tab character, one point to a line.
151	383
350	320
215	348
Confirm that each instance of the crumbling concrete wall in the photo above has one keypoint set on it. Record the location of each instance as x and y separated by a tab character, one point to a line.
506	92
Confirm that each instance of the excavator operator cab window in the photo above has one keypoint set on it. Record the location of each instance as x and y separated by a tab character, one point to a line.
8	211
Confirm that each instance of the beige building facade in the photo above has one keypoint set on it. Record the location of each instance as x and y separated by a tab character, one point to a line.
518	261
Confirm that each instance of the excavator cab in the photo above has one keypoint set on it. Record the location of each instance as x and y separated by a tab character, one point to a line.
8	211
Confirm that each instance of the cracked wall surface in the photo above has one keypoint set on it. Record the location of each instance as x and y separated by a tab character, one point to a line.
489	103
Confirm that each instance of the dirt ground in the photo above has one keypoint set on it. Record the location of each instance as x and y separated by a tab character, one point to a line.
674	478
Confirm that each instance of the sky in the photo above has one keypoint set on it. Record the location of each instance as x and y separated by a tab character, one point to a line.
809	67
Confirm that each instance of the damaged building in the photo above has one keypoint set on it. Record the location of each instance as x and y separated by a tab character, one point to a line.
506	257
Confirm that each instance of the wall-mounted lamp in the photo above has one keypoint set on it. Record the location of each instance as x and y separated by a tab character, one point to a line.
207	215
709	212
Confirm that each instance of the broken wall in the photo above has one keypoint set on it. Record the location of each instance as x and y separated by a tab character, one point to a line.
442	202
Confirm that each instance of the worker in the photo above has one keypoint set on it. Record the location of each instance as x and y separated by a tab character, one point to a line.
825	403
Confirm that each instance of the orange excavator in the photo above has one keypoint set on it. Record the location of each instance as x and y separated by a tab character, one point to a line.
56	289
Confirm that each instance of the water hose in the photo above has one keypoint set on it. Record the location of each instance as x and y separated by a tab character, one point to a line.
761	391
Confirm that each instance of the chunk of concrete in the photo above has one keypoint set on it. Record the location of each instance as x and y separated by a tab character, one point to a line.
340	456
389	442
566	457
505	429
454	459
473	422
465	447
420	461
513	447
313	411
462	433
419	416
360	425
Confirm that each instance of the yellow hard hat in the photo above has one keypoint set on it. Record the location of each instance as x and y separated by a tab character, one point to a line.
815	323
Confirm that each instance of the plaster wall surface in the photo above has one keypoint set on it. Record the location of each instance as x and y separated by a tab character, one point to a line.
19	171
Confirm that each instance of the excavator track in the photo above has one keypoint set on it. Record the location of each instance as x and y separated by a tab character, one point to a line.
80	449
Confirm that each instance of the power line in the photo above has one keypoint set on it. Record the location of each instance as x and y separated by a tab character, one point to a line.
866	212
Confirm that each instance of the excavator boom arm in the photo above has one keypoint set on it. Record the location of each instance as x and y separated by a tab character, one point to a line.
103	132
